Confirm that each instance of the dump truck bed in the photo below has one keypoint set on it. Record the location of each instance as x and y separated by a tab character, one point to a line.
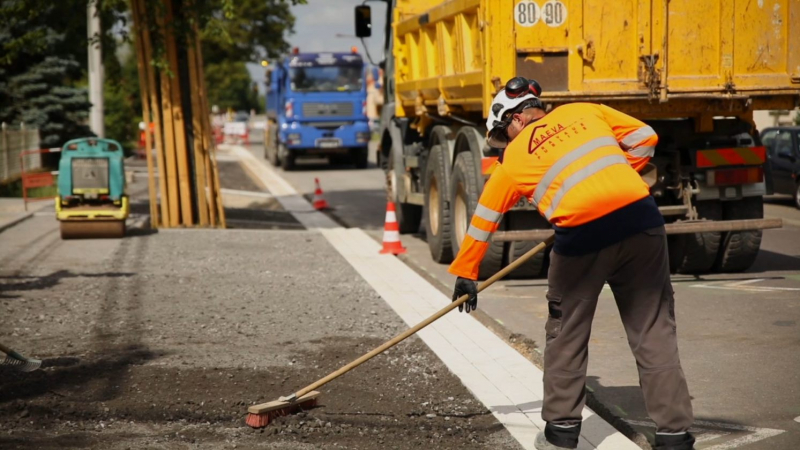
651	58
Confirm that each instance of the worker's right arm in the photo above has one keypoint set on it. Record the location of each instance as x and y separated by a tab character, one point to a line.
635	137
499	195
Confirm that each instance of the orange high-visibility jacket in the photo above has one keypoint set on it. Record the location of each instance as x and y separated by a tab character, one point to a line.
576	164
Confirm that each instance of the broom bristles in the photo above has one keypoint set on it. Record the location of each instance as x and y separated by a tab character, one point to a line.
263	419
21	363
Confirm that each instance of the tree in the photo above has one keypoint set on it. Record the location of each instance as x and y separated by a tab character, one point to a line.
247	30
230	87
123	107
236	33
40	87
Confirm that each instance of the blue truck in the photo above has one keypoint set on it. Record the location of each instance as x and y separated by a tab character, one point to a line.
316	106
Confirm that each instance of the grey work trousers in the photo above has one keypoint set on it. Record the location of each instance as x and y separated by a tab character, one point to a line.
637	270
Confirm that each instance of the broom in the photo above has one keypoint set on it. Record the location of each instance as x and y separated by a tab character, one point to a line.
260	415
20	362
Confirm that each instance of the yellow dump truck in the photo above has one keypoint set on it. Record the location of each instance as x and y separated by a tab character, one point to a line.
694	70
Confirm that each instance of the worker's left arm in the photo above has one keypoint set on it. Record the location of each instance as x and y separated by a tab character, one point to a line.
635	137
499	194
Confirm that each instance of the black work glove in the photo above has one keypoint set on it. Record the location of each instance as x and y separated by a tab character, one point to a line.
466	286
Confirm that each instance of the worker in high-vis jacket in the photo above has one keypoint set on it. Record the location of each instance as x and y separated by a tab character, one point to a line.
578	166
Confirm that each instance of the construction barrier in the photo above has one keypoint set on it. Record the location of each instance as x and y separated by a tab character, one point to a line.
32	180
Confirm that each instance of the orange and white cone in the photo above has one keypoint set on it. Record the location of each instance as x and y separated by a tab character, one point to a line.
391	233
319	200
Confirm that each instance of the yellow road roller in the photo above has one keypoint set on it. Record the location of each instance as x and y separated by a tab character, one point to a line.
91	200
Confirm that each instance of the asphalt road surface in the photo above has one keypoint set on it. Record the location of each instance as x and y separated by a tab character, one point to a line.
161	340
739	334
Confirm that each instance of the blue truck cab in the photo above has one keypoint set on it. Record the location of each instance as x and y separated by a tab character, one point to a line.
316	105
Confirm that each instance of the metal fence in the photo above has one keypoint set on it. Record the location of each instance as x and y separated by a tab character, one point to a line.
13	141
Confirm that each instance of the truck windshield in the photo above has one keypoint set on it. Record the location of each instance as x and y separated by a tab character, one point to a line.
326	79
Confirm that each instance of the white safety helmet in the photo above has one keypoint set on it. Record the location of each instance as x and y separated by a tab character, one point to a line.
518	91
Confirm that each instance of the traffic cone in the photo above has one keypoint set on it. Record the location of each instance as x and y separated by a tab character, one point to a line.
391	233
319	200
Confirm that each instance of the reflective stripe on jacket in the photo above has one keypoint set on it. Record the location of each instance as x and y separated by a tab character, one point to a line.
576	164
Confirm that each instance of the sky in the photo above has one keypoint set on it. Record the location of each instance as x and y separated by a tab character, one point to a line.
328	25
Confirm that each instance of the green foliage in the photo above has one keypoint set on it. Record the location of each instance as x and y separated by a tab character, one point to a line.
247	30
43	54
39	73
237	32
229	86
797	117
123	106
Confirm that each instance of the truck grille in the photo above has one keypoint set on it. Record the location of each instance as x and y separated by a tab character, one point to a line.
89	173
327	109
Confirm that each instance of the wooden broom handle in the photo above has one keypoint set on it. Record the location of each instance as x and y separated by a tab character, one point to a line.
402	336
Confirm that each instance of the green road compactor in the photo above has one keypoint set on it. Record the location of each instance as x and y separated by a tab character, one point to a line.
91	200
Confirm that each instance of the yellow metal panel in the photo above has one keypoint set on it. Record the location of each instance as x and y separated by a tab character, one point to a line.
610	29
792	46
654	58
694	43
498	46
446	37
761	58
471	45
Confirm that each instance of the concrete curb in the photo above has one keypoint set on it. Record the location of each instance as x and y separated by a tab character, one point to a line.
8	223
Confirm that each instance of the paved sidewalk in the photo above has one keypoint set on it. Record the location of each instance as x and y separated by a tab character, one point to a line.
12	210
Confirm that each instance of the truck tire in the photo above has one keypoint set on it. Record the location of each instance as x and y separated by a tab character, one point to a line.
697	252
287	158
408	215
537	265
465	189
437	205
739	249
360	157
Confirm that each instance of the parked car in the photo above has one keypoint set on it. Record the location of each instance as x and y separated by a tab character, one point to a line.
783	148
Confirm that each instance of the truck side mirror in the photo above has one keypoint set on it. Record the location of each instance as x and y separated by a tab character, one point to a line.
363	21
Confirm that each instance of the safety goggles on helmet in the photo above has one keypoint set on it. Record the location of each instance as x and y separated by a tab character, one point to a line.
518	95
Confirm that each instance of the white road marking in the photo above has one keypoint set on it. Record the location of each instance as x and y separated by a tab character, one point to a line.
745	288
743	282
247	193
707	431
797	419
743	285
508	384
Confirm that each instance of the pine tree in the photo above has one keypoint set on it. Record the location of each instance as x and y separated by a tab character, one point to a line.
38	79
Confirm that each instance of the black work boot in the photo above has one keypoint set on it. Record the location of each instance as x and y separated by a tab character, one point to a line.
557	438
684	441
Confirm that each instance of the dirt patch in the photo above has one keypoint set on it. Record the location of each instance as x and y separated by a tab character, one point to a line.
246	211
233	176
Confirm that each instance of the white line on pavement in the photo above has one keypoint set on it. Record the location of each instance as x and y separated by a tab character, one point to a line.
502	379
745	288
246	193
741	283
707	431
